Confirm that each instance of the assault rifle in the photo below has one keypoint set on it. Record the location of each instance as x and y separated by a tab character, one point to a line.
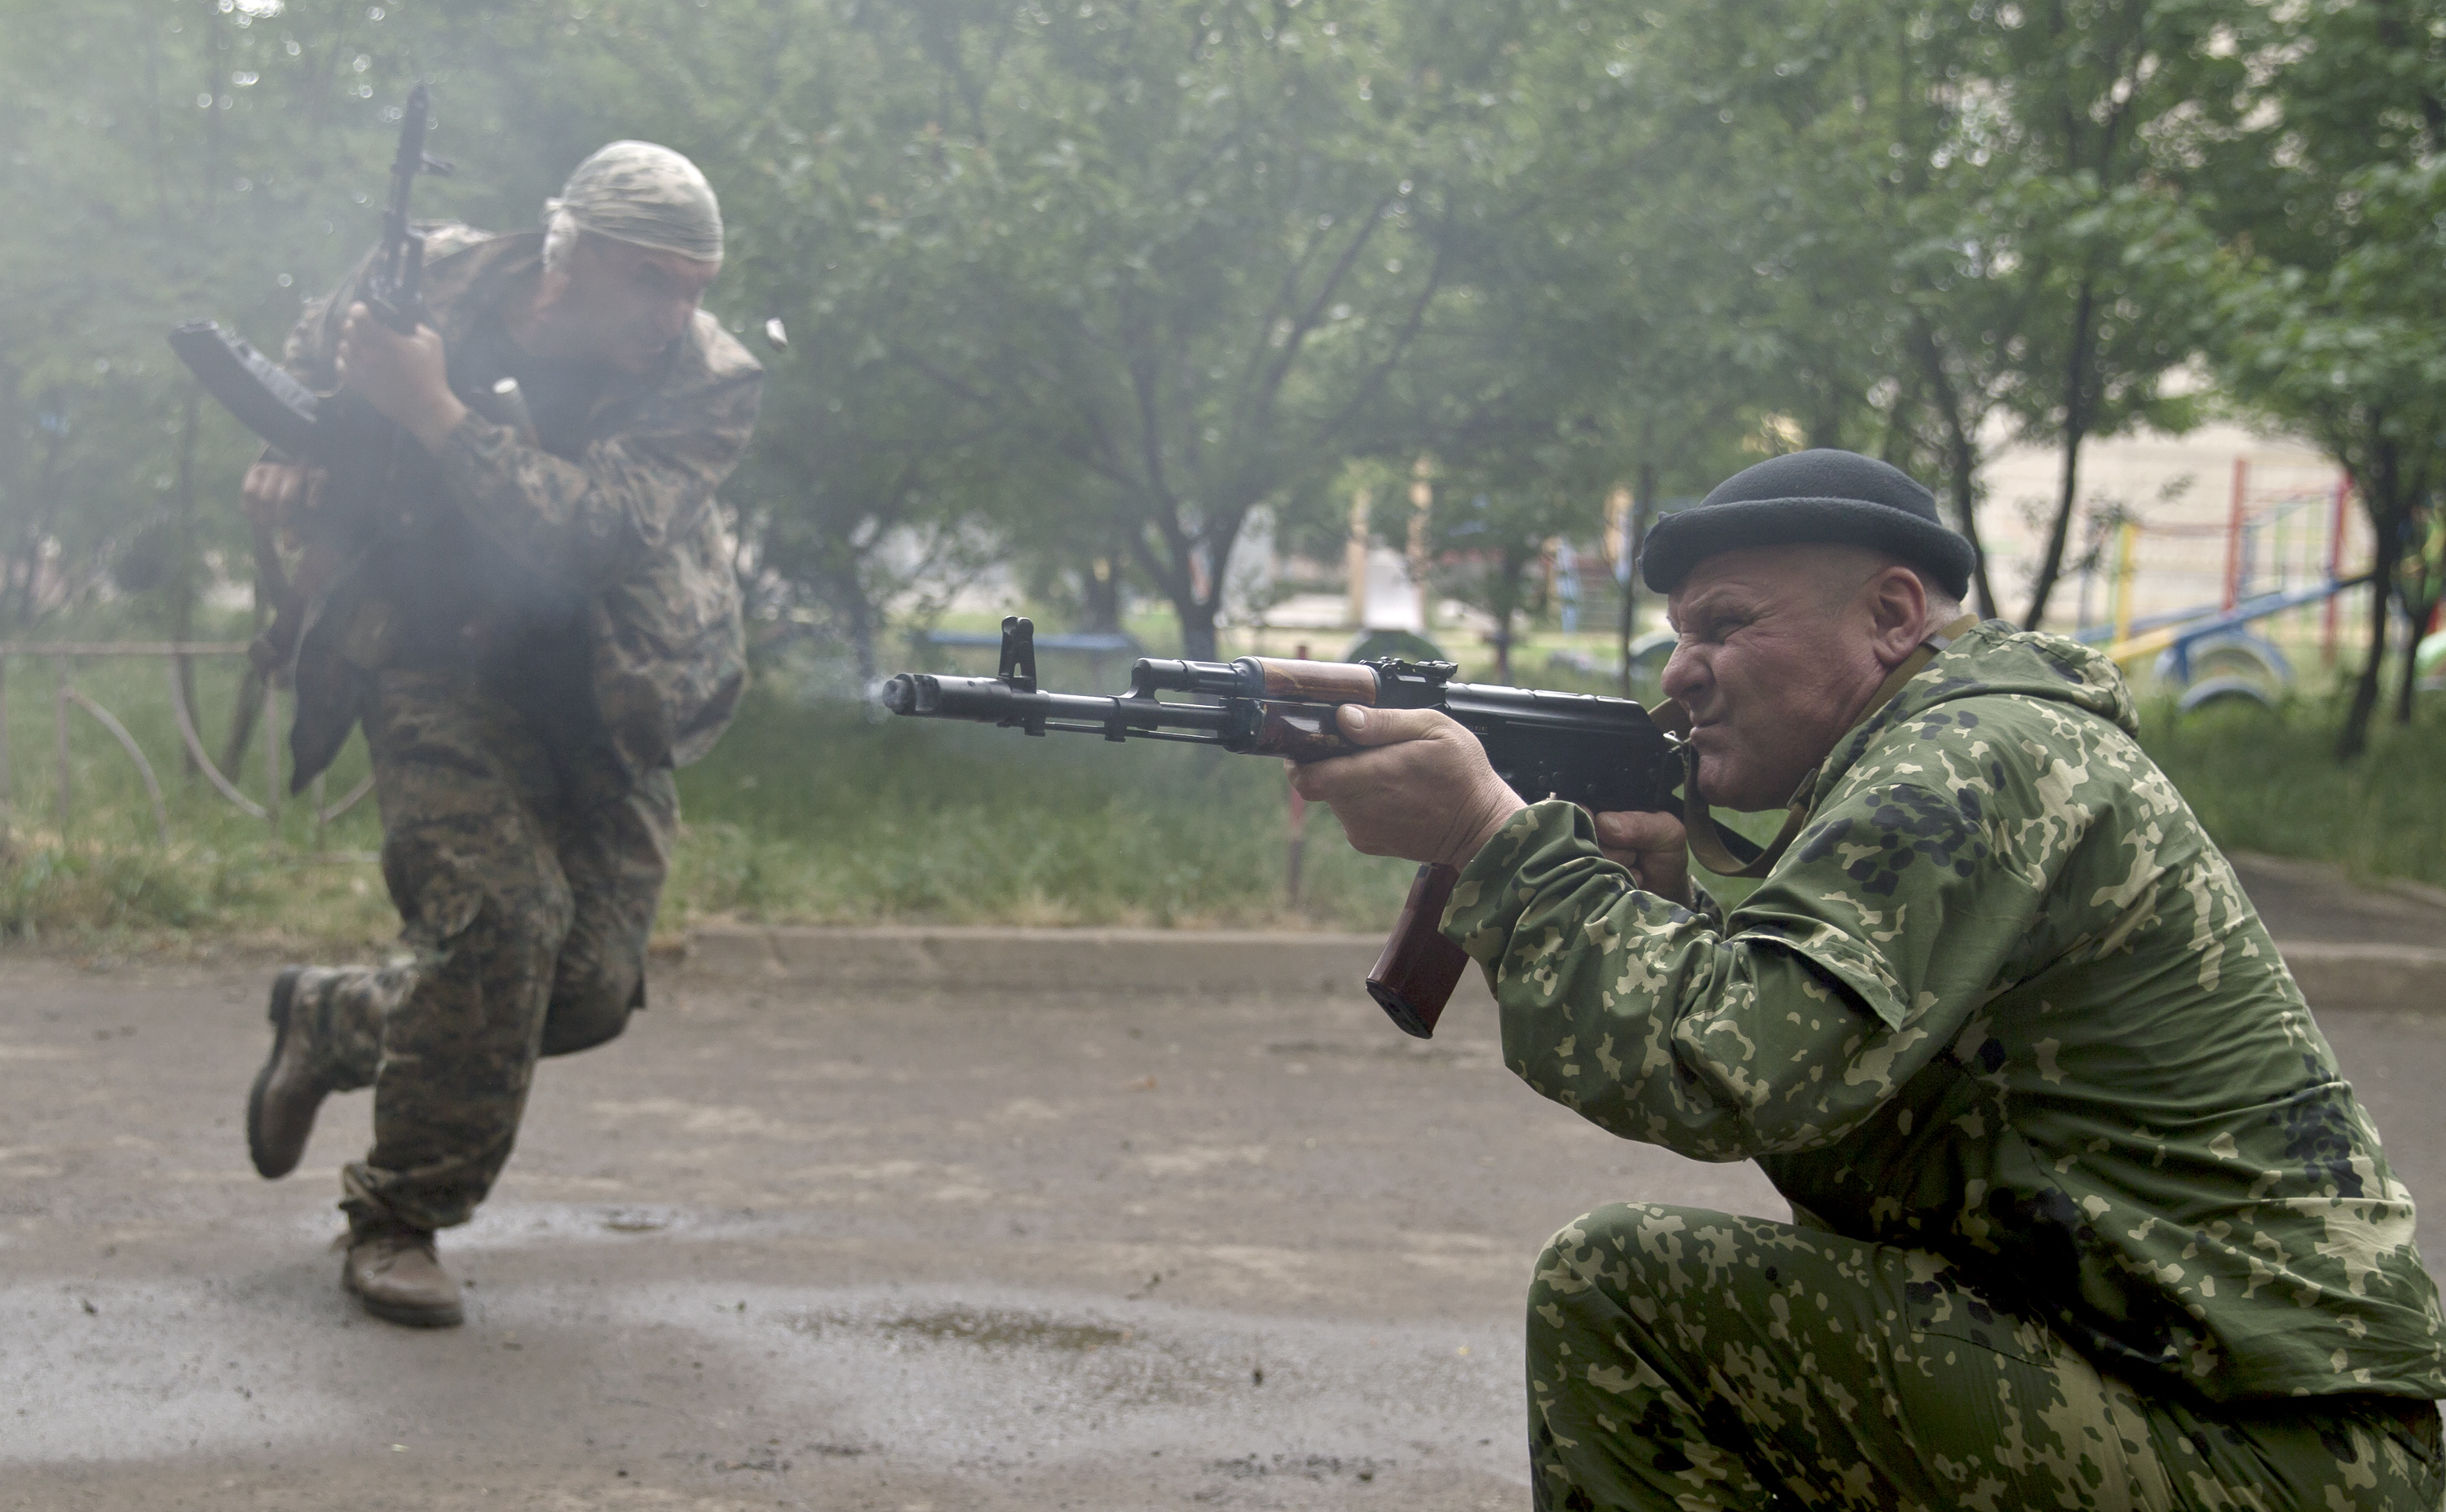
367	459
1605	755
379	485
326	429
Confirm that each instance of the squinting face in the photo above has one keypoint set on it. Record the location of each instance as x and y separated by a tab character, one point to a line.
1775	659
624	304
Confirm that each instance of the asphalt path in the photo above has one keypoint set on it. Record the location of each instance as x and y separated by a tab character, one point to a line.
855	1251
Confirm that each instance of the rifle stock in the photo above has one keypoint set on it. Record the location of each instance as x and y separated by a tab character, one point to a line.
1602	754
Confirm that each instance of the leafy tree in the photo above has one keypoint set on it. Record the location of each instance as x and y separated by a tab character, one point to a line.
1167	250
2351	347
2328	281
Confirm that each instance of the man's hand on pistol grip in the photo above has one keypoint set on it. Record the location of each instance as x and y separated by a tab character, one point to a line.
407	378
1424	792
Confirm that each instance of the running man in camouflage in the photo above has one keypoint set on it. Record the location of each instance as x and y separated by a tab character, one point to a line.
2084	1213
529	667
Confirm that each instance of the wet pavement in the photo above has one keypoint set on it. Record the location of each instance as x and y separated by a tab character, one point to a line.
780	1249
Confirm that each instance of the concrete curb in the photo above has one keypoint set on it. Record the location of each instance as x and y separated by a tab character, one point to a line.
2394	978
2400	979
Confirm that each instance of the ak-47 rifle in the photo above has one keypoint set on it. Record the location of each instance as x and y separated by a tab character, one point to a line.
378	484
325	429
361	452
1605	755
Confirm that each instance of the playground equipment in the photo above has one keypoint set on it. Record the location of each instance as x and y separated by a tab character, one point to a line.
2283	550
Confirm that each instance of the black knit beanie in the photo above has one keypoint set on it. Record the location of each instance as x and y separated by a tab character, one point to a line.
1838	497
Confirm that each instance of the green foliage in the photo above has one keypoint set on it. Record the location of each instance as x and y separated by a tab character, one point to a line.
820	815
1079	290
1092	283
96	891
2325	278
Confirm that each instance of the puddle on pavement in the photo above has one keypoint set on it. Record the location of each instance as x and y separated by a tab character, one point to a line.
985	1328
1304	1467
1407	1051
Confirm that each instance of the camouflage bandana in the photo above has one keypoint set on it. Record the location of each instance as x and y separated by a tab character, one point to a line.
647	195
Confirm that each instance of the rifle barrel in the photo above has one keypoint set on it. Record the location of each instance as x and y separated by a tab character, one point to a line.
991	701
410	158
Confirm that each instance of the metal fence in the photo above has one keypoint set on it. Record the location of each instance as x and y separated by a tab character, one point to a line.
64	655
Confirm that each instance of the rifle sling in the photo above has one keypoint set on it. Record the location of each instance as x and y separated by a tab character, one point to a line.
1719	849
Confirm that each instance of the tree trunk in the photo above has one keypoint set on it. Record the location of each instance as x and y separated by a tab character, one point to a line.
2416	588
2407	688
1099	584
2075	425
242	718
1194	587
2354	739
182	579
1643	508
1197	638
249	688
862	619
1962	469
2382	497
1512	563
1965	513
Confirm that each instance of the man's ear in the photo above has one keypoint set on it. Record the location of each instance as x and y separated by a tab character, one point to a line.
1896	602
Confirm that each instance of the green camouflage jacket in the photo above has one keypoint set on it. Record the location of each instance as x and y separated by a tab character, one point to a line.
2002	1001
630	521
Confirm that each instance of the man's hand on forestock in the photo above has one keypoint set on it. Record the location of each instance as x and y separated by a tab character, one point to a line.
1653	848
407	378
1423	791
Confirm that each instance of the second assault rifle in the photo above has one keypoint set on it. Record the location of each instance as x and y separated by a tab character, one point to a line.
1605	755
308	426
378	484
311	426
376	477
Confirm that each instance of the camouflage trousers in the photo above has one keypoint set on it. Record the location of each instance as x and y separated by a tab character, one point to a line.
526	865
1680	1358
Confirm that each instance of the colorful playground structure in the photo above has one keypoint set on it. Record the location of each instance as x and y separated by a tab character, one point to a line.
2288	566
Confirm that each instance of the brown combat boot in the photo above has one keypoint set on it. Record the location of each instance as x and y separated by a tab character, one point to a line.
395	1274
291	1085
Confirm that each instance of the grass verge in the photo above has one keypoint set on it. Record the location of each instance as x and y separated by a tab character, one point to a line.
822	814
2268	779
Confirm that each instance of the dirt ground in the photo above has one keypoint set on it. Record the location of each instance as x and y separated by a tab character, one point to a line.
792	1249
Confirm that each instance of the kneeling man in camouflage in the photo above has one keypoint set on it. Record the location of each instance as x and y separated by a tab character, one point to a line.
2084	1213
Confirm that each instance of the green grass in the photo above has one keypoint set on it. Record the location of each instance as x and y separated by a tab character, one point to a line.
106	872
803	814
815	813
824	815
2268	779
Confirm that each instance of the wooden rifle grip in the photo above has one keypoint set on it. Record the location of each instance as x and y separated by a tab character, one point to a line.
1416	975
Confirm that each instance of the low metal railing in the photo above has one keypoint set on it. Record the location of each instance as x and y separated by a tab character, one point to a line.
63	656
